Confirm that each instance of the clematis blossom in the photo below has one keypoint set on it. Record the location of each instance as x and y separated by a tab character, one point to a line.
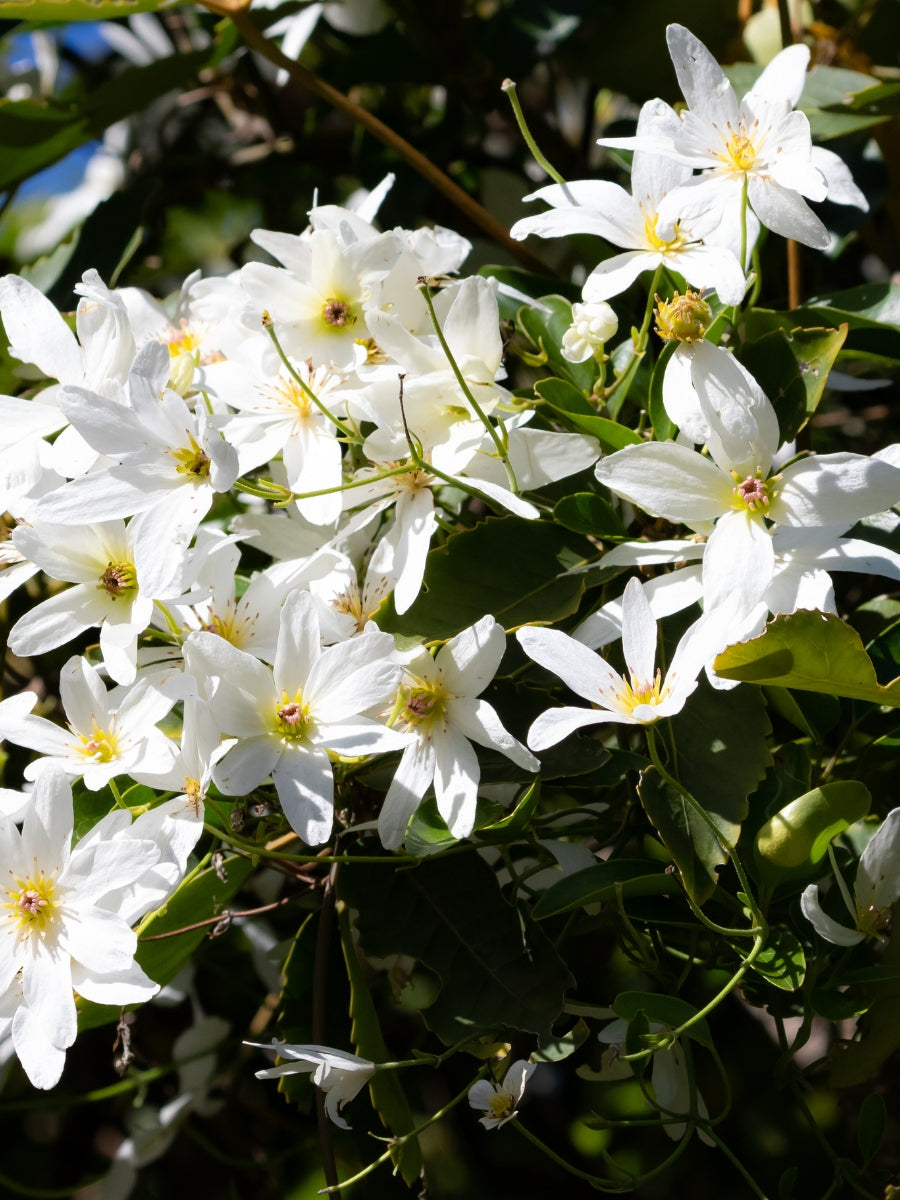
340	1075
876	888
498	1101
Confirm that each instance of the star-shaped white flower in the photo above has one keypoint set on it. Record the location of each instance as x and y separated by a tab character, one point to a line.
498	1101
340	1075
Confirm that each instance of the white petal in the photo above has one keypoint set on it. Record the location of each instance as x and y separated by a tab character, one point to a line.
824	925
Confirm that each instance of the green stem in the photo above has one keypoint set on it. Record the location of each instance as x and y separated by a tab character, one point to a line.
117	796
509	87
737	1164
502	450
842	886
625	379
398	1142
406	469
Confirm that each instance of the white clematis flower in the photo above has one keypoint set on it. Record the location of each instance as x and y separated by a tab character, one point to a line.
65	916
438	707
641	698
340	1075
285	721
498	1101
877	887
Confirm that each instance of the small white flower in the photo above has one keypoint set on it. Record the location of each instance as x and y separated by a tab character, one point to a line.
877	887
498	1101
340	1075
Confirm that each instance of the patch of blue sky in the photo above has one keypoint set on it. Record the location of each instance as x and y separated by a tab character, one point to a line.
61	177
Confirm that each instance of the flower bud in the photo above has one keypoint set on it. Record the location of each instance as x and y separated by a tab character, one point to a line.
592	326
683	318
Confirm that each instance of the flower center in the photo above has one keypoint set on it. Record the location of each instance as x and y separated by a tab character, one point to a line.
183	340
683	318
292	718
639	692
31	902
873	922
118	579
739	153
191	460
102	746
374	353
338	313
753	493
501	1104
421	703
662	245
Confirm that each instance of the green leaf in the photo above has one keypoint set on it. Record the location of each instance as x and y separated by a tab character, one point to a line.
544	324
663	427
694	849
523	281
201	897
507	566
671	1011
794	841
810	651
58	11
602	881
563	1046
792	369
720	738
388	1097
871	1126
496	970
782	961
514	824
567	400
586	512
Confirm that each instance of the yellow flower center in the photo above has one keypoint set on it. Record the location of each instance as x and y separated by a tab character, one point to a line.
191	460
501	1105
183	340
639	692
421	703
753	493
374	353
288	394
663	245
739	153
292	718
101	747
31	902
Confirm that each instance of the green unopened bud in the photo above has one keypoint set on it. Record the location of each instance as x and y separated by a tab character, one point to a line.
683	318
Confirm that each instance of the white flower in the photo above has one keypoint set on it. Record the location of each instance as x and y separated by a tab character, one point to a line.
498	1101
642	698
57	925
439	709
653	225
669	1076
877	887
340	1075
287	720
761	142
109	734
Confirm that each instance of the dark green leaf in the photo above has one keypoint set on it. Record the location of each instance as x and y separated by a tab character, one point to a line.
507	566
565	399
871	1126
563	1046
792	369
694	849
586	512
782	961
670	1011
720	741
450	914
603	881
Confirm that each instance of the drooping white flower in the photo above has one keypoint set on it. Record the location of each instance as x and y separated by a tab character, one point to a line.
877	887
340	1075
57	926
498	1101
592	327
439	708
669	1077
